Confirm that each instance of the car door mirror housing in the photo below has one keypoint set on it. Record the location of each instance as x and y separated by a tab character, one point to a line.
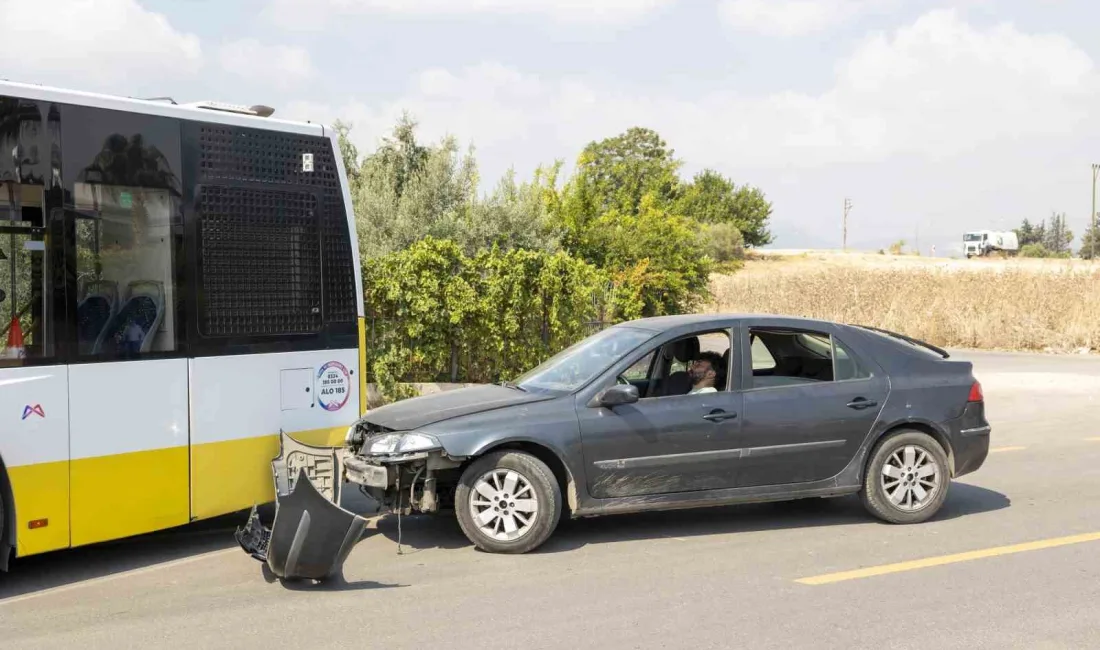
615	396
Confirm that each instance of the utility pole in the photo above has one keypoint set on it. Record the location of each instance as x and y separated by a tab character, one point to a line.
1092	216
847	207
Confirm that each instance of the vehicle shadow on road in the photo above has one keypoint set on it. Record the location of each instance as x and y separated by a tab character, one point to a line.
66	567
70	566
335	583
442	532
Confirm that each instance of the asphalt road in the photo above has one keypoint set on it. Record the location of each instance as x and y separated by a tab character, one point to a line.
753	576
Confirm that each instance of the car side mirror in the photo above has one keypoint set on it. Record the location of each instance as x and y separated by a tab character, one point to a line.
615	396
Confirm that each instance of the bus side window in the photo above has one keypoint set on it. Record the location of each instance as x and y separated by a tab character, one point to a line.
27	318
123	174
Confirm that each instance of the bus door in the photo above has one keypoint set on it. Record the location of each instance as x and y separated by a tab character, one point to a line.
128	400
129	429
34	409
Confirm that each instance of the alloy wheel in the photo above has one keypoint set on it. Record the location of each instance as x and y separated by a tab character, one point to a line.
504	504
910	478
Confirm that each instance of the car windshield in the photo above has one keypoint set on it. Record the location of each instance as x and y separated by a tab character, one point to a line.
582	361
972	237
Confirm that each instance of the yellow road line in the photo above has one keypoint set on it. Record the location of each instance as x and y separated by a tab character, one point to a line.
997	450
948	559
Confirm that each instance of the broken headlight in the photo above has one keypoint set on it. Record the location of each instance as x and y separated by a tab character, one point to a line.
401	443
354	435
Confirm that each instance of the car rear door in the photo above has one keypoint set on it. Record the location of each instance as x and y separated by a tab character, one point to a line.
809	402
663	444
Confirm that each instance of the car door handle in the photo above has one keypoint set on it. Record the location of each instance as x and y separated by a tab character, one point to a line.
860	403
718	416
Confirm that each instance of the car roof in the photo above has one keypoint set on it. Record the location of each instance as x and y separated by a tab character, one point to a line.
665	323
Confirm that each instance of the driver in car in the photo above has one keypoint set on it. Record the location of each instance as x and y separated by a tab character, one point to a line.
703	373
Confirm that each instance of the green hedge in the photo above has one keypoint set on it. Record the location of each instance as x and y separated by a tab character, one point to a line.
438	315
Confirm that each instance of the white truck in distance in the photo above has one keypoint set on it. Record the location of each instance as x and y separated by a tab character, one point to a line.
983	242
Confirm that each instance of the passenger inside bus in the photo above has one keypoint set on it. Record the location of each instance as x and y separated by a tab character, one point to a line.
125	261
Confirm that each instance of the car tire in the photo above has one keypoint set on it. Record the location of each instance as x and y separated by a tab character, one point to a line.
535	485
904	481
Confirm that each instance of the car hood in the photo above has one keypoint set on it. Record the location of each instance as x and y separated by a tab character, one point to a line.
416	412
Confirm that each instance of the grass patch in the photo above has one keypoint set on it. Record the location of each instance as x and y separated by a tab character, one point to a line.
1002	309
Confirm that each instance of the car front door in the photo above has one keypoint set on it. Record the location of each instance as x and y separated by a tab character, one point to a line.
668	441
809	403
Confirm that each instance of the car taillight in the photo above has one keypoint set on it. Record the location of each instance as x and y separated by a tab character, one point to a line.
976	392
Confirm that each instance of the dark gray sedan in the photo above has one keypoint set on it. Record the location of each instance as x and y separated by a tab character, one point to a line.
659	413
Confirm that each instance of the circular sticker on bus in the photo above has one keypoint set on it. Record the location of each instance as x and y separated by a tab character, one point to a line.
333	386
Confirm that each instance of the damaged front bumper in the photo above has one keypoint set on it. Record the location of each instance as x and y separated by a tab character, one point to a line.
311	535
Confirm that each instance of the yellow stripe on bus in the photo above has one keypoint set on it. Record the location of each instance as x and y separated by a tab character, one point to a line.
236	474
122	495
362	366
41	492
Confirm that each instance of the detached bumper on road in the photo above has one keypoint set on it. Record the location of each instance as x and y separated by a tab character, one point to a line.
311	535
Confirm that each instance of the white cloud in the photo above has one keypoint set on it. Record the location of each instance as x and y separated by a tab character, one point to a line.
313	14
276	65
937	88
98	41
794	17
942	86
779	17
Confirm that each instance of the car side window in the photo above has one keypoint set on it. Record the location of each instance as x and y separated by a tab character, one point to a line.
789	358
640	370
762	359
672	374
847	367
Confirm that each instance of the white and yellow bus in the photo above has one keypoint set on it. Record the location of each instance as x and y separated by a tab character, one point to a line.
180	283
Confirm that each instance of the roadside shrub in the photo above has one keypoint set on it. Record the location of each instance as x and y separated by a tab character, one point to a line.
657	259
725	245
437	314
1034	250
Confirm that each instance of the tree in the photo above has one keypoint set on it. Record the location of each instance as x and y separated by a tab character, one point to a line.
514	216
724	244
1057	237
406	191
711	198
658	259
1092	235
349	153
1028	233
617	172
619	213
400	156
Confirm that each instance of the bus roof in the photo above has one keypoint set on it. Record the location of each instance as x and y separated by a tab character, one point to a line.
158	107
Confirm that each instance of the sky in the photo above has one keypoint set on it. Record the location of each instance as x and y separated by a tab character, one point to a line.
932	117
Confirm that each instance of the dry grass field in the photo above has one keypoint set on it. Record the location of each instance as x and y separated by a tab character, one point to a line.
995	304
